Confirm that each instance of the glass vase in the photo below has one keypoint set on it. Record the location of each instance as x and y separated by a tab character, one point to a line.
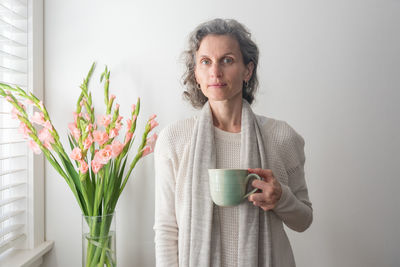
99	241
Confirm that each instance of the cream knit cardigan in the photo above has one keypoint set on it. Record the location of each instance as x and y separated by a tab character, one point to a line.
285	151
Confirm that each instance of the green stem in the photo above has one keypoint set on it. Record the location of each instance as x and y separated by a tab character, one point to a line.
86	198
104	236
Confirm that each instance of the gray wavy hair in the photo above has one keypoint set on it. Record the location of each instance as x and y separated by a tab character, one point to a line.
248	49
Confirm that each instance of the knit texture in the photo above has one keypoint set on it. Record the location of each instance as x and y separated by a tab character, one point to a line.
227	149
285	154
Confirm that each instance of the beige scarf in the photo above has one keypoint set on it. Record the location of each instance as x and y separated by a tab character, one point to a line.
254	248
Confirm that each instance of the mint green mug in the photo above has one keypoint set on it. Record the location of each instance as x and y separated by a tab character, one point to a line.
228	186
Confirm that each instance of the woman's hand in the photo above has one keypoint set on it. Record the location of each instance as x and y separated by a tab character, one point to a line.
270	187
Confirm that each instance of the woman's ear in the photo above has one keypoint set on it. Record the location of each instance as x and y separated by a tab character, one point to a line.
249	71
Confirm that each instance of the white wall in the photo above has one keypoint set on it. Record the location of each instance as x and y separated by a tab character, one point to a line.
329	68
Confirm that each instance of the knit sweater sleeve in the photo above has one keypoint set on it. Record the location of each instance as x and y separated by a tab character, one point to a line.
294	207
165	226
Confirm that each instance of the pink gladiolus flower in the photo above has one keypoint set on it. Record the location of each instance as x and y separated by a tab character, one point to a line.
35	147
152	117
87	117
96	166
133	108
105	120
129	122
112	97
83	168
116	148
153	124
45	136
38	118
151	141
74	131
48	126
117	106
89	127
88	142
150	144
103	155
82	102
76	154
147	150
14	113
71	126
119	119
47	145
100	137
24	130
75	116
118	126
128	137
113	133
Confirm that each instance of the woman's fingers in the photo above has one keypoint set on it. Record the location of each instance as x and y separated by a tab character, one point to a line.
263	198
259	184
257	197
270	187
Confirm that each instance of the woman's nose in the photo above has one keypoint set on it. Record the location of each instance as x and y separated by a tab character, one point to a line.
216	70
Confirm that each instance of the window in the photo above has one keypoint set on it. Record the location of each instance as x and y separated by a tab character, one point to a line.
21	173
13	153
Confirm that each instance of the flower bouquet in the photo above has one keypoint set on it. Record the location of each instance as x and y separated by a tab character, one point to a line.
97	169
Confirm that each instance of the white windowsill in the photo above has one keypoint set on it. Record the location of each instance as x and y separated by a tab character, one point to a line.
26	258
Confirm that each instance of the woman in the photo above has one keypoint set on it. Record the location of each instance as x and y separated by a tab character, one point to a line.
190	230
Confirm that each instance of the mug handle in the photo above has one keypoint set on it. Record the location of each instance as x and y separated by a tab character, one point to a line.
248	178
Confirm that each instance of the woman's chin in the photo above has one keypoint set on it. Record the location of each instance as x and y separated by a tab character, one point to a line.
224	97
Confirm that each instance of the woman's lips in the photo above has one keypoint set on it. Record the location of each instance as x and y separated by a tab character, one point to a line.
218	85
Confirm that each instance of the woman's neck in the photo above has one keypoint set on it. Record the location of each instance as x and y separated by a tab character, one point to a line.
227	116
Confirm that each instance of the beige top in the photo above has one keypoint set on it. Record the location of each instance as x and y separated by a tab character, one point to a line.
227	148
285	152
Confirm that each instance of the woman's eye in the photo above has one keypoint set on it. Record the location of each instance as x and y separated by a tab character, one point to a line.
227	60
205	61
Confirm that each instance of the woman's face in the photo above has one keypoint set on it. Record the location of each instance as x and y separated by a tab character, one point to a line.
220	69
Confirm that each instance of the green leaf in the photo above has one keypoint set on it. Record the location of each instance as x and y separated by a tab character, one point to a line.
89	190
71	172
72	142
117	188
121	173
